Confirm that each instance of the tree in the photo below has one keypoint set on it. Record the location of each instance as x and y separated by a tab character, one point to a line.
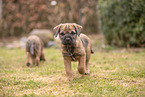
123	22
0	9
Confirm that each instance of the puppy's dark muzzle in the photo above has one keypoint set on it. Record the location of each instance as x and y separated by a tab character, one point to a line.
67	40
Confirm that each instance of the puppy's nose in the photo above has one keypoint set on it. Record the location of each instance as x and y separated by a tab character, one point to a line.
67	39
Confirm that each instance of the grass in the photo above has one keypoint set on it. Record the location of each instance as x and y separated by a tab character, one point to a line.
112	73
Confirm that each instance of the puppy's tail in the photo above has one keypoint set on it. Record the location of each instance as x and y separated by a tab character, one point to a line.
32	49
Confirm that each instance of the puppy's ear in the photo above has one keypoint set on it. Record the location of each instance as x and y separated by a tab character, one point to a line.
78	28
57	29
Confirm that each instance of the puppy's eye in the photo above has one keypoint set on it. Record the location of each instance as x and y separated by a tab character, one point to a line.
72	32
62	33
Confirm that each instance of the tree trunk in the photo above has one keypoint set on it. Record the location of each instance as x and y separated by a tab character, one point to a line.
0	9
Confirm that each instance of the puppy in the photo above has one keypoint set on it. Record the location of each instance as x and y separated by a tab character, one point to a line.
34	49
75	47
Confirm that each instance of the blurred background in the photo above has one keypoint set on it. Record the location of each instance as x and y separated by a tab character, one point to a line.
119	23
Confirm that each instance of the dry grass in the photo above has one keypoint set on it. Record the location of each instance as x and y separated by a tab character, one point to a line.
113	73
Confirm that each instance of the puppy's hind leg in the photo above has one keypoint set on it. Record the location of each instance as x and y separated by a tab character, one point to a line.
33	59
37	60
42	57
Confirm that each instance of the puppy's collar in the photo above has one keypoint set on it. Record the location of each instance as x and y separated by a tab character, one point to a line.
70	50
70	55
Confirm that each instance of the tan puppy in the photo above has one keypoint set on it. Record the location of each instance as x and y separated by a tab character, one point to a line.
75	47
34	49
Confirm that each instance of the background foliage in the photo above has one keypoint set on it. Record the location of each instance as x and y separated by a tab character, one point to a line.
123	22
21	16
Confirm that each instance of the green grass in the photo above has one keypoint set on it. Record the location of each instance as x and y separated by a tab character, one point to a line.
111	74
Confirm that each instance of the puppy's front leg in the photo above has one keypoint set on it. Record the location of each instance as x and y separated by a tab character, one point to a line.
28	57
81	65
37	60
69	73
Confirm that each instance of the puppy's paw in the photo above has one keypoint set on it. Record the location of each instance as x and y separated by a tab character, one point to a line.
70	79
42	59
28	64
86	74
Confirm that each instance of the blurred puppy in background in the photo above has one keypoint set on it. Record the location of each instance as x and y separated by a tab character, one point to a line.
34	49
